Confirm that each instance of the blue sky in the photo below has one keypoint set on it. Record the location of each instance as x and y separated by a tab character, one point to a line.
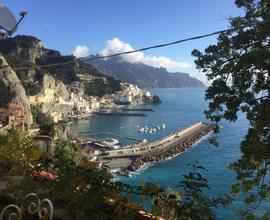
63	25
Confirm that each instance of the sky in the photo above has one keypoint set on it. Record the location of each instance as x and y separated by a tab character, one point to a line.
85	27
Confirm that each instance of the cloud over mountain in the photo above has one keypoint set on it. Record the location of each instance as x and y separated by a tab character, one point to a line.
116	46
81	51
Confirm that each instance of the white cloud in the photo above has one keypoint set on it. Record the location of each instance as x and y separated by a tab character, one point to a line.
116	46
164	62
81	51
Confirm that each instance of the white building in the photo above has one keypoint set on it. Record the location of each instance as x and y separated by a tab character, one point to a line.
80	104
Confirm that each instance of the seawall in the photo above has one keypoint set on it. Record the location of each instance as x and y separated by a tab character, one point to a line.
161	149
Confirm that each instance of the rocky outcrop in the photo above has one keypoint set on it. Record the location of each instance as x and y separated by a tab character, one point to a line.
26	47
12	90
54	89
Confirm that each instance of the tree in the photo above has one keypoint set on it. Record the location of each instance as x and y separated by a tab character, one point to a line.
44	121
18	154
239	67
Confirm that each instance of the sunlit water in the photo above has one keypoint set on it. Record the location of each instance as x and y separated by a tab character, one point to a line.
179	108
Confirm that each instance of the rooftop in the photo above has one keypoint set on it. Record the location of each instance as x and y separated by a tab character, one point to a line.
15	106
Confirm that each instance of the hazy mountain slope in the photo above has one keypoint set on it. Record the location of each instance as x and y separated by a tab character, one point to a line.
144	75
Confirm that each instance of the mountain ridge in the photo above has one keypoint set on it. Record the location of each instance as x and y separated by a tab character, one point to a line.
144	75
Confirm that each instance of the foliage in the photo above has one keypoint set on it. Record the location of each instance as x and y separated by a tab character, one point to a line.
100	87
66	73
85	190
82	189
11	135
44	121
189	202
18	155
238	66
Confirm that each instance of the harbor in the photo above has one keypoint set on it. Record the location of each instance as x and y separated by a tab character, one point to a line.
133	157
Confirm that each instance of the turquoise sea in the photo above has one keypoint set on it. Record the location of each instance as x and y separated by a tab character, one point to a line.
179	108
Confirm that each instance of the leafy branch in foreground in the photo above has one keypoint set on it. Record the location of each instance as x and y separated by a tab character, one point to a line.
239	68
82	189
189	202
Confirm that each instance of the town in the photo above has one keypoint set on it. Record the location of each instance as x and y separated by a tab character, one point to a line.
65	103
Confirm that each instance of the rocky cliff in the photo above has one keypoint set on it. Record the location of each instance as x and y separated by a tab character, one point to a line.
27	51
12	89
54	89
25	47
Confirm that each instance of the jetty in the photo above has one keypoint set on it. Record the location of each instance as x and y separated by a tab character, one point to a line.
134	156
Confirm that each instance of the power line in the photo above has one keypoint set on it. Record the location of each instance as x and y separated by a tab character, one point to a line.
162	45
126	52
134	51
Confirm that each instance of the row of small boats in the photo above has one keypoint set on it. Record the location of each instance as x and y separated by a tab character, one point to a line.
150	129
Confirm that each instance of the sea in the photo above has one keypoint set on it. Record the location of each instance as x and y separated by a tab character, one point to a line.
180	108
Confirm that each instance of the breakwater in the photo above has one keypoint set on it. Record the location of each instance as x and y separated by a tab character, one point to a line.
165	153
142	153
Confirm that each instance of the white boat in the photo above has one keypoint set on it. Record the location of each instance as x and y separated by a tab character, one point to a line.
111	142
163	126
144	141
141	130
116	146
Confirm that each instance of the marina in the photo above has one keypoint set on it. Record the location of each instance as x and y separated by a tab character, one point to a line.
133	157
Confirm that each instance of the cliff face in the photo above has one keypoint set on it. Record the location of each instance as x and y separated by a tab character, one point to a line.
54	89
12	90
26	47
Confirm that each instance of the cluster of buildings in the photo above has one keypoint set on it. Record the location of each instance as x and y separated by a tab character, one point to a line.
130	94
79	103
12	116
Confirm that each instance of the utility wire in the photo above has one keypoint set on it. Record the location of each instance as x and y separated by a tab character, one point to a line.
129	52
133	51
123	53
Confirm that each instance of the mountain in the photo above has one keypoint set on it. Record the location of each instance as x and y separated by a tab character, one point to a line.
144	75
28	51
12	90
18	83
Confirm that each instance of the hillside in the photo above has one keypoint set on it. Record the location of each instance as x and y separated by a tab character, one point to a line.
145	76
51	83
27	51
